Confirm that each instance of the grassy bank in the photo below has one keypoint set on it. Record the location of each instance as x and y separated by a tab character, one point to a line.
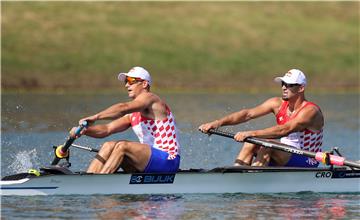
185	45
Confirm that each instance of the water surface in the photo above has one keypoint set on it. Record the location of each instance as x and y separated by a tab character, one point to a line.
32	124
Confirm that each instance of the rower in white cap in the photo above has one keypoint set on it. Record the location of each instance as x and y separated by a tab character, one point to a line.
299	124
157	150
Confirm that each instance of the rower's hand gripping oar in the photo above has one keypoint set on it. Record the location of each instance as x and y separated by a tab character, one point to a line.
323	157
62	150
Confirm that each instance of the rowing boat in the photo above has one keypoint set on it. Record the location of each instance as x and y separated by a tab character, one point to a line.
246	179
341	176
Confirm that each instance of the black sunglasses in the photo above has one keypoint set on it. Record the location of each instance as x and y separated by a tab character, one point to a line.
289	85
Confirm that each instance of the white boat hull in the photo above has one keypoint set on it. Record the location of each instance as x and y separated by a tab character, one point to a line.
222	180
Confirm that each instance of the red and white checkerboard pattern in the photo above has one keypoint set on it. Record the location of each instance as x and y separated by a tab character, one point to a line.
311	141
306	139
160	134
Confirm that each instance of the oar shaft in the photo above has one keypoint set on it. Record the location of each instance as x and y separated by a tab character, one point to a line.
221	133
279	146
319	156
266	143
351	164
85	148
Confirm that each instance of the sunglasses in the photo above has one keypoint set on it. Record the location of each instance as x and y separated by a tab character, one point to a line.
132	80
288	85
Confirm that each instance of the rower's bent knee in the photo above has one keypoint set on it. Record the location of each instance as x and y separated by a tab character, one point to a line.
106	149
108	146
121	146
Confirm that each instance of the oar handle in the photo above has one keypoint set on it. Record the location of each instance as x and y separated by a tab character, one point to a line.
251	140
62	150
231	135
70	140
221	133
322	157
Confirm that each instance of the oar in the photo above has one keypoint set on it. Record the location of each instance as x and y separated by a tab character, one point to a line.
62	150
85	148
322	157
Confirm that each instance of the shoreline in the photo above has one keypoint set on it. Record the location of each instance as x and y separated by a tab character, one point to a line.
181	90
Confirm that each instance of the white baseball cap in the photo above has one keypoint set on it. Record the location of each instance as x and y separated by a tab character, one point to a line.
137	72
293	76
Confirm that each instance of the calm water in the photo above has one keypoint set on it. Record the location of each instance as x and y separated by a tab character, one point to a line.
32	124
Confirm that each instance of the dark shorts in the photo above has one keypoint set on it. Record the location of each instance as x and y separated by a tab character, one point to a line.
297	160
159	162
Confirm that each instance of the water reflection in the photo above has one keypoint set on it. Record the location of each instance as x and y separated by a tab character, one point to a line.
189	206
138	207
275	206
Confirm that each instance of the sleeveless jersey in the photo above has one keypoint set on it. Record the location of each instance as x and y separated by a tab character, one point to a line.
160	134
307	139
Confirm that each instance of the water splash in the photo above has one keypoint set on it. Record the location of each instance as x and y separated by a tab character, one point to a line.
19	107
23	161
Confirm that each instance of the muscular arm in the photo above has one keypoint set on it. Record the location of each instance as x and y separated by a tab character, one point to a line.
104	130
305	119
270	105
119	110
247	114
118	113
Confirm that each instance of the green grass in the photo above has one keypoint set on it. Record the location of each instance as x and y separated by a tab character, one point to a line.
185	45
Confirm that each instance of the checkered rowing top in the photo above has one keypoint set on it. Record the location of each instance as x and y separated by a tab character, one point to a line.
306	139
160	134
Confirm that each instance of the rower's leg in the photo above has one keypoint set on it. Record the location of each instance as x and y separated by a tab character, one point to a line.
137	155
263	157
246	154
127	166
280	158
100	159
